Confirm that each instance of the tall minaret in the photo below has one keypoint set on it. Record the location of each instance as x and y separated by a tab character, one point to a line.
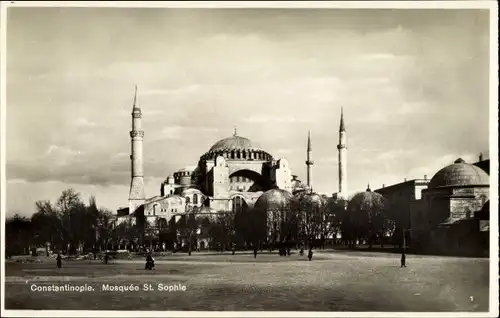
136	197
342	148
309	161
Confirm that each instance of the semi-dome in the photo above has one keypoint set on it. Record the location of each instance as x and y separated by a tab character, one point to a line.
187	169
459	174
275	199
234	143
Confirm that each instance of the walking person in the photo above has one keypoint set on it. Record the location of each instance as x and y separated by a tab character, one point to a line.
255	252
310	255
403	260
59	260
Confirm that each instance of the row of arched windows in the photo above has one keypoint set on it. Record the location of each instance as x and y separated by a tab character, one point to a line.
239	154
239	179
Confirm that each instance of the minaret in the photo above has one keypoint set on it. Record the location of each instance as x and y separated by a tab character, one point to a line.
136	197
309	161
342	148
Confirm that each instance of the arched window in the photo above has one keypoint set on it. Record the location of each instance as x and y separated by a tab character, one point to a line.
188	200
195	199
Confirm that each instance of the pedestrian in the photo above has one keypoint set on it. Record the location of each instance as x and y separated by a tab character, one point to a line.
403	260
59	260
106	258
255	252
310	255
288	251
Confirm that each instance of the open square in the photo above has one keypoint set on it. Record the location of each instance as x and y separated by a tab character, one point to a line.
332	281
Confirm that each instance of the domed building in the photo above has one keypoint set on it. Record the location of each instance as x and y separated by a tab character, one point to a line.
234	174
456	192
446	219
235	171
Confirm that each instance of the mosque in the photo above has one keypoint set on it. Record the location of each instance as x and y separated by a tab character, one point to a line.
234	172
448	212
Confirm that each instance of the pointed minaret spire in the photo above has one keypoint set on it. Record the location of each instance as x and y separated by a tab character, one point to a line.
235	132
342	127
368	187
309	148
309	161
135	98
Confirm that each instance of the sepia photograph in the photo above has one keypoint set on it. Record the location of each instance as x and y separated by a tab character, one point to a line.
323	158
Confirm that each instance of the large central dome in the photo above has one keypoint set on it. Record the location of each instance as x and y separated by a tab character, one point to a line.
237	148
234	143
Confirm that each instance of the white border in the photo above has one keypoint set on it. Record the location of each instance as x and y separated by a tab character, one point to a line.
492	6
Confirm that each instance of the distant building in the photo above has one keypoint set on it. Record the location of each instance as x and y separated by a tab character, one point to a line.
400	198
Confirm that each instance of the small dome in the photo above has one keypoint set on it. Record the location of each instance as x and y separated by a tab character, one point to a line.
275	199
459	174
365	200
313	198
234	143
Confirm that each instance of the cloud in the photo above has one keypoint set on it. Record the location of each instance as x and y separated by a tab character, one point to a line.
273	119
378	56
84	123
413	84
283	151
182	132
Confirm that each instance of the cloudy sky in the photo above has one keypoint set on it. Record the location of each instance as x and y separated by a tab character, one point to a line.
413	84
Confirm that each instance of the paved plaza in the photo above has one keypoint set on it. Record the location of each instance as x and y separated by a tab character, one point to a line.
331	282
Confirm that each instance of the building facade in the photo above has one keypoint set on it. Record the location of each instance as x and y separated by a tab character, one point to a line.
401	198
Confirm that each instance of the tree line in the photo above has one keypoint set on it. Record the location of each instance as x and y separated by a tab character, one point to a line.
71	226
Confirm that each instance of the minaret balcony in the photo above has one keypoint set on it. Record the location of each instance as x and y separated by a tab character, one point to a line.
309	162
135	133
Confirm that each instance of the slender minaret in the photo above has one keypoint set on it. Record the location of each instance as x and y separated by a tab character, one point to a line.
309	161
136	197
342	148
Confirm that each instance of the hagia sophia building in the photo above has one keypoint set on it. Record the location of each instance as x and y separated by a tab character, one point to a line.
449	212
234	172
